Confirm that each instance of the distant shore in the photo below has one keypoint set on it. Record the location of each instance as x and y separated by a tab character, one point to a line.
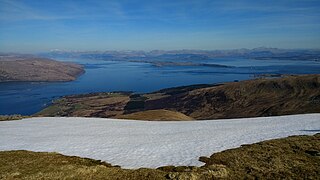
17	68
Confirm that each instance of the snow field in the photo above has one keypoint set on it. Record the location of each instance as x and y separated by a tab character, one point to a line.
135	144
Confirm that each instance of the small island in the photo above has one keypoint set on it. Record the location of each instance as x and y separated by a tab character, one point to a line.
14	68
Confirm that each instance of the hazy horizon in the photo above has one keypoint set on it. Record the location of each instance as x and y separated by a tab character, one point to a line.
38	26
148	51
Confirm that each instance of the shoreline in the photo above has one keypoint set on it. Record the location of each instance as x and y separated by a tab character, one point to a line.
248	98
37	69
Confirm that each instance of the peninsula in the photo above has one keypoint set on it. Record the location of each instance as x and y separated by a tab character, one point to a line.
36	69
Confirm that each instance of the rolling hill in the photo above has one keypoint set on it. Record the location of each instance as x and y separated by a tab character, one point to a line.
251	98
30	68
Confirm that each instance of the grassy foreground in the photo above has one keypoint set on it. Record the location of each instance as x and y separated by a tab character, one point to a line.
295	157
12	117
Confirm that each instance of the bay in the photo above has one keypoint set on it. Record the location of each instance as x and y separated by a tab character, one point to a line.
27	98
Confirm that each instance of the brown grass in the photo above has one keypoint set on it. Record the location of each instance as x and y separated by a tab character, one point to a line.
36	165
156	115
88	105
252	98
12	117
296	157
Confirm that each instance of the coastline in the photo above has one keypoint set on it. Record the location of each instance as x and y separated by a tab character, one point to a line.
249	98
36	69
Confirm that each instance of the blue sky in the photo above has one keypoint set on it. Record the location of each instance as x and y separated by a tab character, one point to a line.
42	25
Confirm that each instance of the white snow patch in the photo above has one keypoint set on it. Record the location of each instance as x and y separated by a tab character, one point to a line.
135	144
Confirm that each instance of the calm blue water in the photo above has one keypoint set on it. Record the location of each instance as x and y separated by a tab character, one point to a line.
28	98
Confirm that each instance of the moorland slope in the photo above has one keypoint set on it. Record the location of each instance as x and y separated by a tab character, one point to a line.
252	98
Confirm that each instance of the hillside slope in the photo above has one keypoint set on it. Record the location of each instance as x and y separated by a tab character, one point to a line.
157	115
251	98
29	68
295	157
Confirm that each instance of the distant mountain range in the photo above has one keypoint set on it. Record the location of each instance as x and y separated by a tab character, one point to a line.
256	53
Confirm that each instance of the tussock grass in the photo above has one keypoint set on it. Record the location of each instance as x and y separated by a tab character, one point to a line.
295	157
12	117
42	165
